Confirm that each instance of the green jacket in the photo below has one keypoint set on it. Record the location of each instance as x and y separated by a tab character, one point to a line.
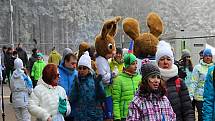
37	69
113	63
124	89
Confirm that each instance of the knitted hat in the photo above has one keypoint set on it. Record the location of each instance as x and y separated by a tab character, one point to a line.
149	69
185	53
65	52
164	49
207	52
39	55
18	64
129	58
85	60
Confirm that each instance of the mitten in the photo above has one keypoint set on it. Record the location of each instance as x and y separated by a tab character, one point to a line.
62	107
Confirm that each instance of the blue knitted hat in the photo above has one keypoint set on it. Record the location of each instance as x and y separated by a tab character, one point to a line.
207	52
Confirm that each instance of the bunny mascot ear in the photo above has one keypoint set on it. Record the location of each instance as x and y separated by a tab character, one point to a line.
155	24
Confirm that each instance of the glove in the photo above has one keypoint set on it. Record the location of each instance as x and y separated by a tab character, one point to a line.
62	107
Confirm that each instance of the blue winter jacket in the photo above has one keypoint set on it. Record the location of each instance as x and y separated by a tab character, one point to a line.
67	78
209	97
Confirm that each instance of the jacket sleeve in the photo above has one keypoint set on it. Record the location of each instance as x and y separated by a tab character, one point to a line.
208	104
102	69
133	113
68	105
116	94
186	106
194	80
33	70
35	109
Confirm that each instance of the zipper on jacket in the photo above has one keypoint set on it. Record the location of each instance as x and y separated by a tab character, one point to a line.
123	111
133	86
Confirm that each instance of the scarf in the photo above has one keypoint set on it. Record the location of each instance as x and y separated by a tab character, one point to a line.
169	73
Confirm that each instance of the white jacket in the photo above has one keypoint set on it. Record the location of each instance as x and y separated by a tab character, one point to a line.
103	69
44	101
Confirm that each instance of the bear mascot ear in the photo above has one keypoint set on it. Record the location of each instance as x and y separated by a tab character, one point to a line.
131	28
155	24
104	42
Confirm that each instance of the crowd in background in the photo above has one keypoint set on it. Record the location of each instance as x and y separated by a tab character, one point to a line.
71	88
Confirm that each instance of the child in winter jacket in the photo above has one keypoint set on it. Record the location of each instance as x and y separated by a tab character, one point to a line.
150	102
37	68
21	87
87	92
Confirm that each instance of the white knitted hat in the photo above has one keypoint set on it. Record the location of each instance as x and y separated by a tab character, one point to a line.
85	60
18	64
164	49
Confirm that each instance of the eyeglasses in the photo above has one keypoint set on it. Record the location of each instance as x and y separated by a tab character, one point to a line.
82	68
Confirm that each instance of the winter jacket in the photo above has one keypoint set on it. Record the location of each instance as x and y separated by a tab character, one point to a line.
2	58
67	78
152	108
198	79
22	55
124	89
21	87
31	61
44	101
54	57
209	97
188	81
104	70
9	61
180	100
113	63
86	100
37	69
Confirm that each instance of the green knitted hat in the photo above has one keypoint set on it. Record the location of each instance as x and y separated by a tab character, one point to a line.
129	58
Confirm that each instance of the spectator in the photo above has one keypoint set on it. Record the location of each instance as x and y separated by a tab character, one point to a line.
21	87
185	70
68	74
117	61
37	68
198	80
9	63
49	102
87	92
3	53
54	57
32	59
150	102
209	96
22	54
177	91
124	87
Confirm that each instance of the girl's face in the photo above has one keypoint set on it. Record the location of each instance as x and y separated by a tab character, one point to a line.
207	59
83	71
165	62
154	81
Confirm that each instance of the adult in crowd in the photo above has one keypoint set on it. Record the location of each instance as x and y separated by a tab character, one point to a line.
177	91
209	96
198	80
32	59
22	54
68	74
37	69
150	96
185	70
117	61
48	101
21	87
3	53
87	92
9	63
124	87
54	57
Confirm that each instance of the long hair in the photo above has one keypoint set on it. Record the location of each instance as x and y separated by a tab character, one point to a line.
145	90
184	64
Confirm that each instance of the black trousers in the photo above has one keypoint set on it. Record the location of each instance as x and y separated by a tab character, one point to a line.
199	105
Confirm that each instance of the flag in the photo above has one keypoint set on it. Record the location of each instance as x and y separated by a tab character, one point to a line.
130	50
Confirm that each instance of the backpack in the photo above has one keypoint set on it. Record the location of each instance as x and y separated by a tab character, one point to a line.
178	84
